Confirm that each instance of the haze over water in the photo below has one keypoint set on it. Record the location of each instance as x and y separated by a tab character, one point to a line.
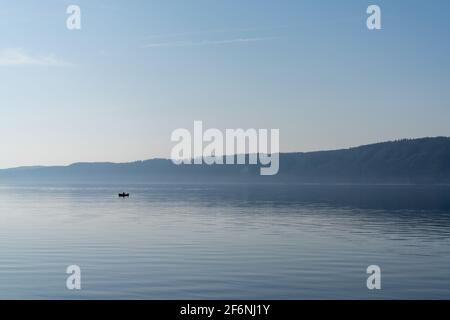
224	241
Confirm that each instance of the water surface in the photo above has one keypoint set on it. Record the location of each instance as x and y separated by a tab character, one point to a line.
225	241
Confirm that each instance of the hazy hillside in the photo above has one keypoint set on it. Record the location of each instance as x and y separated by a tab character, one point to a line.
425	160
405	161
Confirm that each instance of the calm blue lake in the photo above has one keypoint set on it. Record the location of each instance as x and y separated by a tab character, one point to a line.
225	241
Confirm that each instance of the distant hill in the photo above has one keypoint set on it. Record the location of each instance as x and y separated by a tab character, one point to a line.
417	161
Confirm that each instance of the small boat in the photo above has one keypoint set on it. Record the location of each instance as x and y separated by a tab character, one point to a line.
124	195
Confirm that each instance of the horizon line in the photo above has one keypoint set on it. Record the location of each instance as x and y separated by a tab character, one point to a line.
168	159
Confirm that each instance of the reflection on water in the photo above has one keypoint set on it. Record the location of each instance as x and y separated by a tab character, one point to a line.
233	241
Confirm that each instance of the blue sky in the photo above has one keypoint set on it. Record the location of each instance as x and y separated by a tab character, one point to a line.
137	70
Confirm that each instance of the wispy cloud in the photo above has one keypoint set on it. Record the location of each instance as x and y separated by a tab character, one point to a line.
204	42
18	57
214	31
